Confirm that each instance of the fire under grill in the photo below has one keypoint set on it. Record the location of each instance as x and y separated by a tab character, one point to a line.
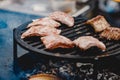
34	44
32	64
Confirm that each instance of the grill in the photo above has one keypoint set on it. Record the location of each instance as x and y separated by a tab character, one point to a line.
34	44
66	69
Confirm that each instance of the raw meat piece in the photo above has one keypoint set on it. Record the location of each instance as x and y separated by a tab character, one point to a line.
86	42
44	22
63	18
40	31
57	41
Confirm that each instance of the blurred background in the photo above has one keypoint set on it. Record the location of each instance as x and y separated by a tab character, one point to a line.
89	8
16	12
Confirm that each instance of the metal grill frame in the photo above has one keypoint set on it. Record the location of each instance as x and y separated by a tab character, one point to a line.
79	22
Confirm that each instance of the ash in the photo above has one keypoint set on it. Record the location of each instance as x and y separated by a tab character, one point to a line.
67	70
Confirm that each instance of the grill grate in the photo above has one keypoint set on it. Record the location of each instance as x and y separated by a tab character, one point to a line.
80	29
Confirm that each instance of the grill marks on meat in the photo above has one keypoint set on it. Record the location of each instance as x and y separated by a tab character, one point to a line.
99	23
86	42
40	31
63	18
44	22
111	33
56	41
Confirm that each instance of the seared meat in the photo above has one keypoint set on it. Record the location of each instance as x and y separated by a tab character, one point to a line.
63	18
111	33
44	77
57	41
85	42
40	31
99	23
44	22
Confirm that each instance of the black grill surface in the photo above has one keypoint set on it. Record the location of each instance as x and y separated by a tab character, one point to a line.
34	44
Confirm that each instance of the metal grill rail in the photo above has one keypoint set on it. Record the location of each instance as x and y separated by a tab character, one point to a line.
80	29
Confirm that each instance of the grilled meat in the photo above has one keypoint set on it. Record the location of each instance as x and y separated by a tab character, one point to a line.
63	18
111	33
57	41
86	42
40	31
99	23
44	22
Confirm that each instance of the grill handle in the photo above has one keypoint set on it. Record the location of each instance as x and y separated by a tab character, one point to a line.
81	11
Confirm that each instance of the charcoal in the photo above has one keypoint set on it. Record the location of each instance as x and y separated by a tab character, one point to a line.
67	70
